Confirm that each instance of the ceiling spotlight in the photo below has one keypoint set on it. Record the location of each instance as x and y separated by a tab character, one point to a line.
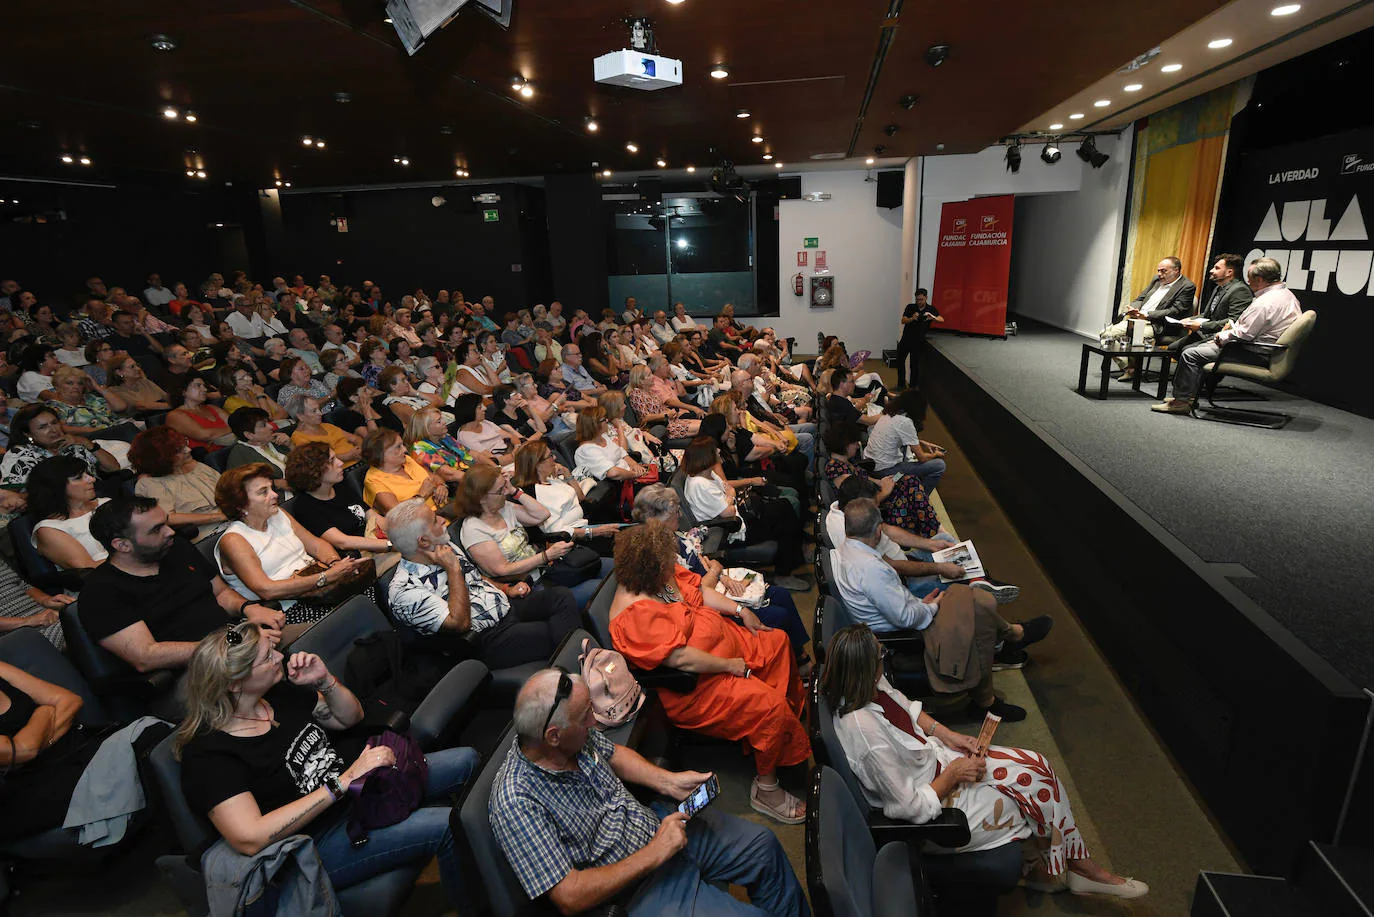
1050	154
170	113
1133	87
527	91
1288	9
719	72
868	161
691	168
191	117
67	159
191	173
1171	68
1088	152
1056	126
1076	116
1013	156
767	157
605	173
661	163
307	141
288	184
85	160
200	173
590	124
1217	44
319	144
939	147
756	139
387	20
742	113
777	165
517	83
631	148
908	101
278	183
163	43
219	225
1102	103
936	54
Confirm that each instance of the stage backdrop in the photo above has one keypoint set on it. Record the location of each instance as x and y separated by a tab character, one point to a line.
1308	206
973	265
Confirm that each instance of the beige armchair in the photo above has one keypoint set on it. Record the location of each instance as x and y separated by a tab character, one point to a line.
1283	357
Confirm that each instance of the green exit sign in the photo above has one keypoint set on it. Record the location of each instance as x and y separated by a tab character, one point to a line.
491	216
812	242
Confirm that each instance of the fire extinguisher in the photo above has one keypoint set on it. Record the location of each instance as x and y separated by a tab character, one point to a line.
797	284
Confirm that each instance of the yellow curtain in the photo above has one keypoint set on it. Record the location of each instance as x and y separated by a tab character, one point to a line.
1177	180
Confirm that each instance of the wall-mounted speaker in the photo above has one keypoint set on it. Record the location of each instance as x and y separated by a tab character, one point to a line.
789	189
891	186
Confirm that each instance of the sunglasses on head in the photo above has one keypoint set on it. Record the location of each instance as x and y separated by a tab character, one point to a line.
565	686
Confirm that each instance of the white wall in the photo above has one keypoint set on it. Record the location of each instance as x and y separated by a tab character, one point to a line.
863	244
1068	246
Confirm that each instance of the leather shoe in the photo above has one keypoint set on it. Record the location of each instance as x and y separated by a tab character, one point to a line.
1131	888
1008	712
1173	406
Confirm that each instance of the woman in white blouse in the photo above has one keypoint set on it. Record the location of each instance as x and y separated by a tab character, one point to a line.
270	321
61	494
538	474
894	431
682	321
264	550
911	767
600	454
478	434
473	376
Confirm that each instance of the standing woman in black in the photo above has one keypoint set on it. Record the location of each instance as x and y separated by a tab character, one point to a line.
916	318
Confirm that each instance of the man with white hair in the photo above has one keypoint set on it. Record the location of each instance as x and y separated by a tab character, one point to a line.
661	329
742	385
304	348
442	595
571	830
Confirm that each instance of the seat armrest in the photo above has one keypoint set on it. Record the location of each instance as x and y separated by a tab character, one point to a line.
670	679
903	640
446	700
1235	347
727	524
948	829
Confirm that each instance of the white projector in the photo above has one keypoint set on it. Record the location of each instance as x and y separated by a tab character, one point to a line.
638	70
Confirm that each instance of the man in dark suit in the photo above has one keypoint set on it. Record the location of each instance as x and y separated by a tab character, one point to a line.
1169	295
1228	301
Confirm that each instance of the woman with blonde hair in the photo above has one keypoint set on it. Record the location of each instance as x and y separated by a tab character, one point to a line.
600	452
652	409
435	449
538	473
85	407
257	761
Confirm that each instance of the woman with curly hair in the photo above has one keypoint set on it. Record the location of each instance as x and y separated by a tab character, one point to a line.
747	687
911	767
314	472
169	474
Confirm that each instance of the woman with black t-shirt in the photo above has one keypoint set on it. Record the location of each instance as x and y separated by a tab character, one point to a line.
41	756
256	759
314	472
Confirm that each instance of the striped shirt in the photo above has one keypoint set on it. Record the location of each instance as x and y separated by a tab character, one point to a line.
549	823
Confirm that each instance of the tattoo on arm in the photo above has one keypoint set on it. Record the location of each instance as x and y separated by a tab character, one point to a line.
295	820
322	711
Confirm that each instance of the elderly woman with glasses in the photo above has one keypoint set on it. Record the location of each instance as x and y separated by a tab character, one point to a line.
659	503
911	766
258	762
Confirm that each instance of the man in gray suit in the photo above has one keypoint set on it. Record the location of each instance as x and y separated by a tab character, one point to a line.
1169	295
1228	301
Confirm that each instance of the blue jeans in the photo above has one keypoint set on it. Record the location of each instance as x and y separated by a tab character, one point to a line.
584	591
781	612
722	848
922	586
928	473
424	834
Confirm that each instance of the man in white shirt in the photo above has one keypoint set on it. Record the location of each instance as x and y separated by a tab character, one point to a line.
303	347
660	329
1264	321
334	340
1169	295
442	595
156	294
245	320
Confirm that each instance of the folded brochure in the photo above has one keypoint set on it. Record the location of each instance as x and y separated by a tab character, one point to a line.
965	555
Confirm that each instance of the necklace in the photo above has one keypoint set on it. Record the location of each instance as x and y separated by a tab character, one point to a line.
669	594
259	719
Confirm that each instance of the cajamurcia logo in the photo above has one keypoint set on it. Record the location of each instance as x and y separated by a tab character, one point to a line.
1354	163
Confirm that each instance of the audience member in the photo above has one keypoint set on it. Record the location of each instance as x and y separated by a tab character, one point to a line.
183	487
257	442
311	428
61	495
897	430
204	425
393	475
36	434
314	473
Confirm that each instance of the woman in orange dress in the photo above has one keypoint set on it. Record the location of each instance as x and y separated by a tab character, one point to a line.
747	685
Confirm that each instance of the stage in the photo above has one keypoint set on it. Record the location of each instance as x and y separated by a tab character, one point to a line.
1221	569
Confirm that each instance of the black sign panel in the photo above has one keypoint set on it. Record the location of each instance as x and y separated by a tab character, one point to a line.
1309	206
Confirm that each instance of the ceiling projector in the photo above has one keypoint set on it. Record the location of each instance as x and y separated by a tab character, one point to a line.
638	70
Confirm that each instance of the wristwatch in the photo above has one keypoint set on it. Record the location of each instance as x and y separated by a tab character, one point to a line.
336	787
322	581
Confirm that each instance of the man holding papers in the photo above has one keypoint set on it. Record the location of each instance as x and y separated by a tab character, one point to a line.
1169	295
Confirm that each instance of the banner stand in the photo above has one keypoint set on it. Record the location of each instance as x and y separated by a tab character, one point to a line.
973	265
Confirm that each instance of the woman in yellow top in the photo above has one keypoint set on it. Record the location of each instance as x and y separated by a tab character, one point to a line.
394	476
247	393
311	428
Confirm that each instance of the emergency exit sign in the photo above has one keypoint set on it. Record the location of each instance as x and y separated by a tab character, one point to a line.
491	216
811	242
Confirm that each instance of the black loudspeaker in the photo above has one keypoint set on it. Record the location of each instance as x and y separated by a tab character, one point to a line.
789	189
891	186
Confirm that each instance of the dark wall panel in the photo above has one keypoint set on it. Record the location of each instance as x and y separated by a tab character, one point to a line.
577	242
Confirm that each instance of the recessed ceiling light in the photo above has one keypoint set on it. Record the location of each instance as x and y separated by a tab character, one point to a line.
742	113
1219	43
777	165
591	124
200	173
674	2
527	91
1076	116
756	139
219	225
719	72
605	173
163	43
691	168
278	183
170	113
387	20
1132	87
1056	126
1102	103
630	147
191	173
85	160
868	161
319	144
288	184
191	117
1171	68
661	163
67	159
1288	9
307	141
767	156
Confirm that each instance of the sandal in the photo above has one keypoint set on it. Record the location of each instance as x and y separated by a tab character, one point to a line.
792	811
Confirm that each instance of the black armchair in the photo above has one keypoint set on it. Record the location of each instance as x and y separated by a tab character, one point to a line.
599	617
128	692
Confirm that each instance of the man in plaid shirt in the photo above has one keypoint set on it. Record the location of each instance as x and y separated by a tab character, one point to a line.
570	829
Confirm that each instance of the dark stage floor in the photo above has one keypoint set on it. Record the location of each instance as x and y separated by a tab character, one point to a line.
1288	514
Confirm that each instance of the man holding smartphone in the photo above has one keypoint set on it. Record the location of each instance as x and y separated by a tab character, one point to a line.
570	828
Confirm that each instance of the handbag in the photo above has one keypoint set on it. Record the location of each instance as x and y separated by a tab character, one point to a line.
615	694
754	589
577	566
388	795
339	592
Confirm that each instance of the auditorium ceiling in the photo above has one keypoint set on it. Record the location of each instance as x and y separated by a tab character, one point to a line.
82	79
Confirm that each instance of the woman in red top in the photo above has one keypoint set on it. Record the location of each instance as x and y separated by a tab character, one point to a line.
747	687
203	424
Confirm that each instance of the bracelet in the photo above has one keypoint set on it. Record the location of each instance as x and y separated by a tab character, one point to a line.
333	683
546	557
245	605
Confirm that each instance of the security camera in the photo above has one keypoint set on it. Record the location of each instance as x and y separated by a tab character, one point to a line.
908	102
891	129
936	54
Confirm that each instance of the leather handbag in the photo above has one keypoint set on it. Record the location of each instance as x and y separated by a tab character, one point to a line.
340	592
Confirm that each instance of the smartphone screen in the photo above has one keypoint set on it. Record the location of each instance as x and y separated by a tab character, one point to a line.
701	797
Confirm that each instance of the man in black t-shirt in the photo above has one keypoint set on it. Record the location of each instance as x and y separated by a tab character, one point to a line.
840	404
916	318
156	596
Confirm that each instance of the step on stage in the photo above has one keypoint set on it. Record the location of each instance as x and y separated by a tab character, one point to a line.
1225	571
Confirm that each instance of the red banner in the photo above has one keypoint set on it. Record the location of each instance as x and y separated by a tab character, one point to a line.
973	265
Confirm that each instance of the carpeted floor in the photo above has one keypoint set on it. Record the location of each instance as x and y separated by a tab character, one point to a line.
1292	507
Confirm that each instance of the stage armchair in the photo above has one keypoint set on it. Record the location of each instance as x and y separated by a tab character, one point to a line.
1283	356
